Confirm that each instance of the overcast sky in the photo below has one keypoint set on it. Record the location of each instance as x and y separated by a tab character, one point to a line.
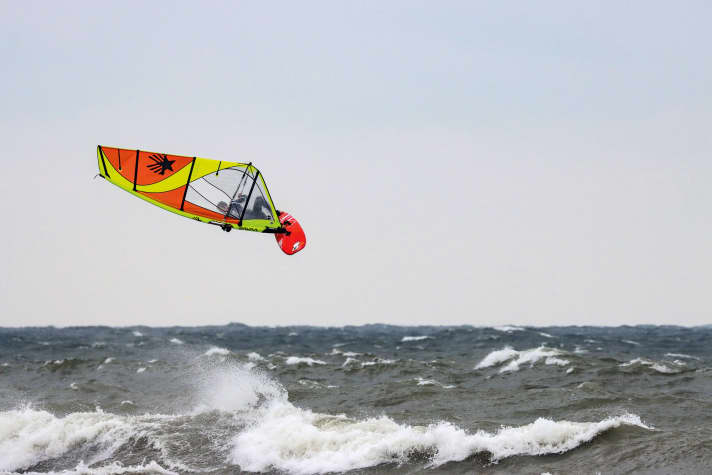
479	163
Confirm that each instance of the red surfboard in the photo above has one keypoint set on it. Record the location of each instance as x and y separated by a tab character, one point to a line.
294	240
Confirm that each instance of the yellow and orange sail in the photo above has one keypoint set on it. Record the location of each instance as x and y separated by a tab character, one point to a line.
230	194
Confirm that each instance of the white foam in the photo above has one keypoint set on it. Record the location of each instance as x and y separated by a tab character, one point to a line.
631	342
414	338
497	357
682	355
294	440
635	361
141	369
350	361
508	328
659	367
236	388
117	468
108	360
137	333
432	382
217	351
378	361
255	357
518	358
176	341
295	360
546	335
29	436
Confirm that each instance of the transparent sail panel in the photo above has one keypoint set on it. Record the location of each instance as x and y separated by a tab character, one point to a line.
226	193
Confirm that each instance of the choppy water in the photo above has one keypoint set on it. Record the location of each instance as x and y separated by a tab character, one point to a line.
371	399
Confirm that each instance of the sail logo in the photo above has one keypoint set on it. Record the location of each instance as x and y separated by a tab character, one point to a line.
160	164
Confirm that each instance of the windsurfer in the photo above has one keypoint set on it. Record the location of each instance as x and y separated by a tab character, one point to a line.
235	207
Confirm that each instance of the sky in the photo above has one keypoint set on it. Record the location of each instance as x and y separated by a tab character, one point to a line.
482	163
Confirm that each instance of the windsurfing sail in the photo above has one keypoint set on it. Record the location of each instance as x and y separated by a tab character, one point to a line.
229	194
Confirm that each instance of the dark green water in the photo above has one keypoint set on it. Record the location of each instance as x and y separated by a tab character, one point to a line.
369	399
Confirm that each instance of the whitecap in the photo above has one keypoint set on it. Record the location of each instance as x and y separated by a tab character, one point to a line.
659	367
137	333
414	338
236	389
631	342
30	436
294	440
508	328
217	351
682	355
546	335
378	361
141	369
350	361
117	468
295	360
176	341
550	356
108	360
432	382
496	357
255	357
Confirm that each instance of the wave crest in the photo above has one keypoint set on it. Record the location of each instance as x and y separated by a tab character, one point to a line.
303	442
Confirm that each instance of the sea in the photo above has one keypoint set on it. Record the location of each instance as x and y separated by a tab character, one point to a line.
372	399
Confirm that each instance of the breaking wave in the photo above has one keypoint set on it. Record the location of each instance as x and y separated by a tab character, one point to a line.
303	442
550	356
250	422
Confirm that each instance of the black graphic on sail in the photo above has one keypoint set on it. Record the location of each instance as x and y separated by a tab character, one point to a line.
160	164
